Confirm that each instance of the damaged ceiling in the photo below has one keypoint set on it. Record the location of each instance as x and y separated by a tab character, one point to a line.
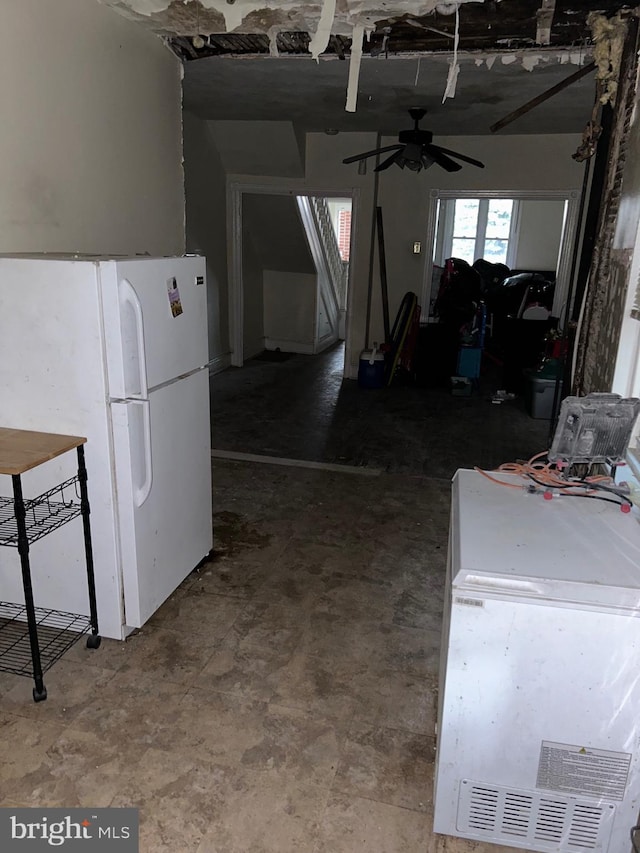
488	57
254	27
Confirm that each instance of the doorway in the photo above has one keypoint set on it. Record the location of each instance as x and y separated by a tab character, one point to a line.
290	268
524	230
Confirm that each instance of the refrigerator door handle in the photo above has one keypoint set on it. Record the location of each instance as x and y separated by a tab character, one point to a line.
141	493
128	296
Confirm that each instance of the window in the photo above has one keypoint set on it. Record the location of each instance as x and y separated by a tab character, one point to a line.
473	228
344	233
340	213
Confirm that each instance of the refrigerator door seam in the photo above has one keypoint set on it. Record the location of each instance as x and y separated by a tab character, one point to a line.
175	379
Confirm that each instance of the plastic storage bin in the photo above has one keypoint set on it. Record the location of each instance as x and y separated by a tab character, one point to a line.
539	396
469	359
371	368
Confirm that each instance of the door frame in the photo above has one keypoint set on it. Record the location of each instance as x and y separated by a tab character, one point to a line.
567	240
235	192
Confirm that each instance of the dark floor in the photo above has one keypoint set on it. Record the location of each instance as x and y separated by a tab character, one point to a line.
301	408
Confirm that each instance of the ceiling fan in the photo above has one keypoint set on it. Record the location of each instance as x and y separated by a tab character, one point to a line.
415	151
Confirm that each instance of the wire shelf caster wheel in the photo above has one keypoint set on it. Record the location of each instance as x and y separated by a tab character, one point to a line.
39	695
93	641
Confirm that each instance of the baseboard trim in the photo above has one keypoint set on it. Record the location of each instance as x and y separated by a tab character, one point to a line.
327	341
289	346
233	456
219	363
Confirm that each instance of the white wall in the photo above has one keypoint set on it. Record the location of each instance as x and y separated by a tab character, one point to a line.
539	234
259	147
289	310
205	192
277	232
253	297
91	143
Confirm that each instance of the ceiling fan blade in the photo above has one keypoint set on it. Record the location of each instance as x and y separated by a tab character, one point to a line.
375	151
458	156
434	154
388	162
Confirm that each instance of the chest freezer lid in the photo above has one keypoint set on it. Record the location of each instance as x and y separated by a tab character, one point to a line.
506	542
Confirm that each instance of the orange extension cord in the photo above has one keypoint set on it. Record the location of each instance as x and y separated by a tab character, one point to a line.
545	473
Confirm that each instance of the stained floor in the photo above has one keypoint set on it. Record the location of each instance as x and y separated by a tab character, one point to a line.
302	409
284	699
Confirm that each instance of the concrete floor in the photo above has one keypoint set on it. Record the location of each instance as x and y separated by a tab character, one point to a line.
283	700
302	409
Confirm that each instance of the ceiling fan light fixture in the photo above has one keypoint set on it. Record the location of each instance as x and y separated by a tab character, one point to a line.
411	158
415	151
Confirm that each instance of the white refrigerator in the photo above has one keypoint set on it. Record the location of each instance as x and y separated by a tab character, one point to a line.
115	350
538	742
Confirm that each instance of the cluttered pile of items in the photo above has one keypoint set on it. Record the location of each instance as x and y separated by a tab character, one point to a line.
487	313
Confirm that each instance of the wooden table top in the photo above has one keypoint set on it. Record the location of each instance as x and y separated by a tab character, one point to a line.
21	449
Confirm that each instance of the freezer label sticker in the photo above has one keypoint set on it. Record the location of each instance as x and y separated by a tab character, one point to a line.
597	773
470	602
174	297
105	829
199	280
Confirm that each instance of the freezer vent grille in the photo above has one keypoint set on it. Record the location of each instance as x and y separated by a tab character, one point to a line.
554	823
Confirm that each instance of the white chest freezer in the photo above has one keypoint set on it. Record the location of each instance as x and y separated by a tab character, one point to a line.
539	706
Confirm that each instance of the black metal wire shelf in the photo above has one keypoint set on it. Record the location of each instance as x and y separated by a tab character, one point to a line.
57	632
44	514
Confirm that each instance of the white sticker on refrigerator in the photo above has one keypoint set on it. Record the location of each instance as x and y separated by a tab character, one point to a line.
569	769
470	602
174	297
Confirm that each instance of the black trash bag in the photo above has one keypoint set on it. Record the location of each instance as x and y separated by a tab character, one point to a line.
492	275
459	294
507	299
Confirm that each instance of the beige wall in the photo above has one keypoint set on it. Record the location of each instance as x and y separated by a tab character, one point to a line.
277	232
253	297
290	309
91	145
205	191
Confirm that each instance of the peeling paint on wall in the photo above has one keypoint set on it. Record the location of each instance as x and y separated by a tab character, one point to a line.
454	65
545	20
530	61
354	68
320	38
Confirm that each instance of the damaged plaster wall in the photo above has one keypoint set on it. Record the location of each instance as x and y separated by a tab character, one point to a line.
599	334
91	148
